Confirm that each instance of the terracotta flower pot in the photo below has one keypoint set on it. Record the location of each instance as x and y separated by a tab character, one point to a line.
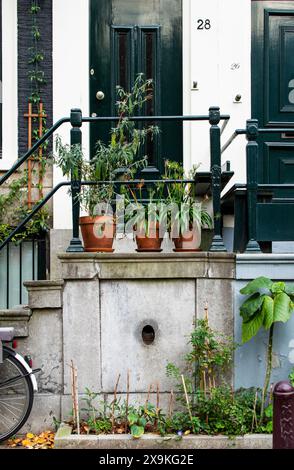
152	242
188	241
98	233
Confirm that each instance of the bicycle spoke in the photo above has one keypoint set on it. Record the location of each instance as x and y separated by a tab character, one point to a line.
7	419
8	405
9	386
12	380
18	397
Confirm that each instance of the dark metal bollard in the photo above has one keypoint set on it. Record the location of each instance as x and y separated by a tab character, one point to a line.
283	420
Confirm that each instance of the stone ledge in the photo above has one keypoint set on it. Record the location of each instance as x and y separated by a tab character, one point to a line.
273	265
265	258
148	265
45	294
18	319
145	255
65	440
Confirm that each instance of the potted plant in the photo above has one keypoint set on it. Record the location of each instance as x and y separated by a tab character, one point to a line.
118	156
186	222
144	217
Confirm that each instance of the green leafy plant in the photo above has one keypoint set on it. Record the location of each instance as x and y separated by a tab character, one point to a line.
143	207
184	196
119	158
213	405
137	422
268	302
223	412
14	208
97	420
36	75
210	356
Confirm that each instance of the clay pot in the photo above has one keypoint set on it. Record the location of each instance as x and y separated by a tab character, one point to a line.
98	233
188	241
151	242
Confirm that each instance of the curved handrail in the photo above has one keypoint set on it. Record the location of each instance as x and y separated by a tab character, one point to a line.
76	120
33	149
232	138
51	193
33	212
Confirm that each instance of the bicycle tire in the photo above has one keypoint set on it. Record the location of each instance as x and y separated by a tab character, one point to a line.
8	355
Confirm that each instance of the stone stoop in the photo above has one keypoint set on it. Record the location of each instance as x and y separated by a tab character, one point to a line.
96	313
17	318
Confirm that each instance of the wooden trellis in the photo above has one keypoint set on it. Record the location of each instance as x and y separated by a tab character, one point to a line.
35	159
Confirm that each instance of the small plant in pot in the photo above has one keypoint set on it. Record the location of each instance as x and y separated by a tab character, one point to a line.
144	216
188	218
118	157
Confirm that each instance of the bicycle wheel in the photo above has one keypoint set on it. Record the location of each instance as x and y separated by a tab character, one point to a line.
16	395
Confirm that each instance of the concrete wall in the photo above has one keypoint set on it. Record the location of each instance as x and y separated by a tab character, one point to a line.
96	314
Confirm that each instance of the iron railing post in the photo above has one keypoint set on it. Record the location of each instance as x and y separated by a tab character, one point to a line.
215	168
75	139
283	416
252	185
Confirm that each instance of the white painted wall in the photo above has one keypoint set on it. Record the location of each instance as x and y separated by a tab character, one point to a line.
9	87
209	56
70	83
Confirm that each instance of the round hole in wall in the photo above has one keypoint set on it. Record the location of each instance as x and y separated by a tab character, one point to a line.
148	334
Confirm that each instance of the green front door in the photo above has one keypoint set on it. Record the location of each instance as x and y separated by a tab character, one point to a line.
273	89
128	37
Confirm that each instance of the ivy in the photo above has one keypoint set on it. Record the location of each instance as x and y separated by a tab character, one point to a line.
36	75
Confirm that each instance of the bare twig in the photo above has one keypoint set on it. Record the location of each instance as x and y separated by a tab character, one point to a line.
127	400
72	393
171	404
157	404
204	381
187	401
75	396
148	395
206	310
254	417
157	396
213	380
114	401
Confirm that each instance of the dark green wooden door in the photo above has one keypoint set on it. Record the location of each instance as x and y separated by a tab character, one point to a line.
128	37
273	89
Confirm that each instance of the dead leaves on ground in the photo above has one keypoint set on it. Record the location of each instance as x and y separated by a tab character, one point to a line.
45	440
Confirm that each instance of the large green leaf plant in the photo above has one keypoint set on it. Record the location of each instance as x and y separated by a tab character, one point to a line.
268	302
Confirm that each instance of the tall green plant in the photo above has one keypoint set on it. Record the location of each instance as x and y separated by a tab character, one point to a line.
268	302
120	156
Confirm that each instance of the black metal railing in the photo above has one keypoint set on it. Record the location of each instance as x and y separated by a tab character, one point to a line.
254	188
76	120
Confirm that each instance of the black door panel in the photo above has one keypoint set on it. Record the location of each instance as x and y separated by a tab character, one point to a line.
128	38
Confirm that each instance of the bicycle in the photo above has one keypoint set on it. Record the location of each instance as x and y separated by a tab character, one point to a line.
17	387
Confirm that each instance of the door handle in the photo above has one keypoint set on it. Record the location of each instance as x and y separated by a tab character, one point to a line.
100	95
